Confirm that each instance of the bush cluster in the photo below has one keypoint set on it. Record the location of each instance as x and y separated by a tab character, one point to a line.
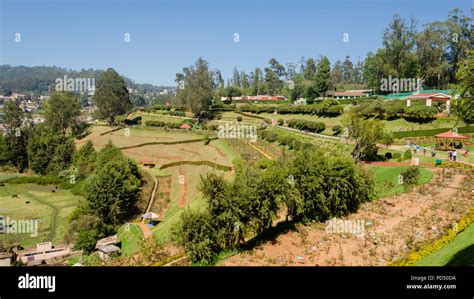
306	125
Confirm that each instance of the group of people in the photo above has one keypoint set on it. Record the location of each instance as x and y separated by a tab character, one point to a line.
416	148
452	154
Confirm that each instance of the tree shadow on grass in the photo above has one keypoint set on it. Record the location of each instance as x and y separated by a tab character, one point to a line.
464	257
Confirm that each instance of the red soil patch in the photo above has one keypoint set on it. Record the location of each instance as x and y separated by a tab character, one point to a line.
393	225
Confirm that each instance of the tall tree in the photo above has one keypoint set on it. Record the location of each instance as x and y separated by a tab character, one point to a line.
336	74
62	111
430	51
347	70
310	69
256	81
399	40
463	106
236	78
17	132
111	96
323	76
459	37
197	92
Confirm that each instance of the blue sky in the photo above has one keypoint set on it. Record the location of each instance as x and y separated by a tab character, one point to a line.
167	35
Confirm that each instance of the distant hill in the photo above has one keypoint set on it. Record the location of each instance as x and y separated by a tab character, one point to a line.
40	79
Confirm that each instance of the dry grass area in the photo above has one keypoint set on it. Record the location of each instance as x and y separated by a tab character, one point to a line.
393	227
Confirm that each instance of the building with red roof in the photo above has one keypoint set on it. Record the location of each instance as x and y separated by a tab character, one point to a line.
429	97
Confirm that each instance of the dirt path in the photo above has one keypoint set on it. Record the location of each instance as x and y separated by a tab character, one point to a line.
393	225
184	194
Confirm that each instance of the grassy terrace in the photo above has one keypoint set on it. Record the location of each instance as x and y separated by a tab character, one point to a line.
51	209
390	125
459	252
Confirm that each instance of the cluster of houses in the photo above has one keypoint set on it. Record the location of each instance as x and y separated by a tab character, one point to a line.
47	253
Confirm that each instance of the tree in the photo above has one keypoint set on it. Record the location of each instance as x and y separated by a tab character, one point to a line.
273	77
375	69
230	92
236	78
347	70
459	37
197	92
323	76
113	189
336	74
17	132
399	40
111	96
62	111
196	234
49	152
84	159
309	71
366	134
463	106
430	51
255	88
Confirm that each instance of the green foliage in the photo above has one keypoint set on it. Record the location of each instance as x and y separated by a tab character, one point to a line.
366	134
195	232
396	156
195	87
206	139
84	159
407	155
113	189
280	121
310	185
411	177
306	125
239	118
111	96
15	142
62	111
85	231
337	129
463	107
50	152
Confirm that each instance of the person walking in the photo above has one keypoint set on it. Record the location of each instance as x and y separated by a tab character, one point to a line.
455	153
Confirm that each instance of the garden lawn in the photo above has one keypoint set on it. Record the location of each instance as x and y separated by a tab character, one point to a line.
51	209
386	179
459	252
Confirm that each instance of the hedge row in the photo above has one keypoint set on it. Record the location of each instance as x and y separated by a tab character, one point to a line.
166	143
326	108
417	255
110	131
159	123
43	180
283	139
197	163
306	125
431	132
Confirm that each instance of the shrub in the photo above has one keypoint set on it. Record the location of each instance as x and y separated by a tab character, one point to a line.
411	177
281	121
407	155
239	118
196	234
206	140
308	125
337	129
388	155
396	156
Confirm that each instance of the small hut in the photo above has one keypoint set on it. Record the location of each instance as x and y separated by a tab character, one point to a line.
185	126
449	140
